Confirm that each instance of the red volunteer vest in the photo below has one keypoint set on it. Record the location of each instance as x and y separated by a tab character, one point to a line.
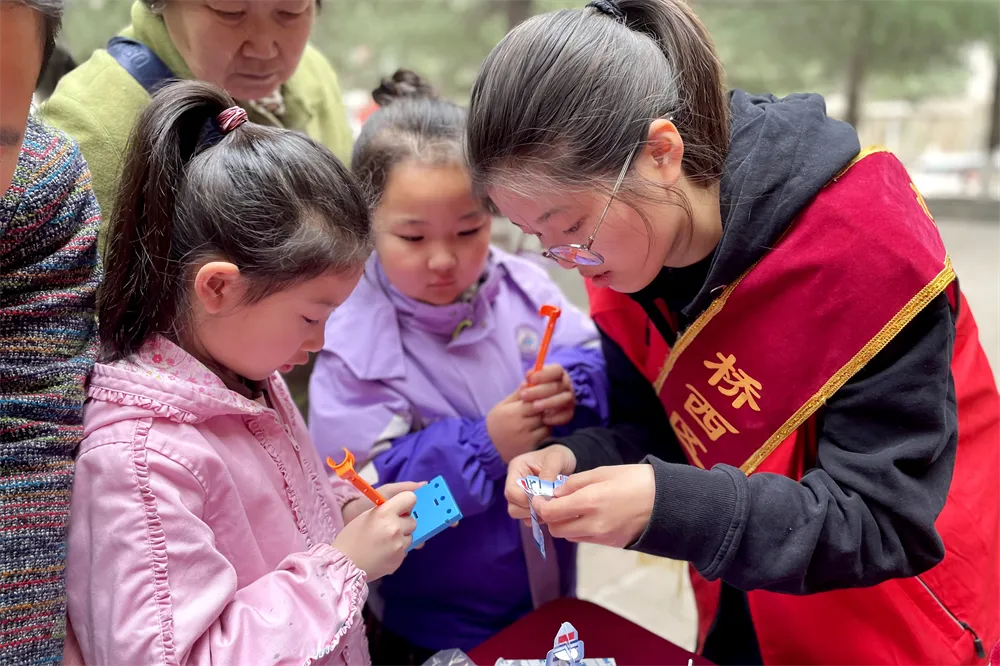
741	384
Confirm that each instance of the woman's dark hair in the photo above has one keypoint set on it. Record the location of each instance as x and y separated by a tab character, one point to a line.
566	96
412	123
273	202
52	13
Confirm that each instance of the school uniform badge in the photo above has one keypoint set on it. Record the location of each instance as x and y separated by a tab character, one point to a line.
528	340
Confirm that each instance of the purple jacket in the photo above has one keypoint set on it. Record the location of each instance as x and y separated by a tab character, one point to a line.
397	385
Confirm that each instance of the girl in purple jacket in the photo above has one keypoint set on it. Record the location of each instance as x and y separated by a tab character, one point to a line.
424	372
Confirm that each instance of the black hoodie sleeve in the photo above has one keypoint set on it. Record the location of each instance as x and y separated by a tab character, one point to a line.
639	426
863	515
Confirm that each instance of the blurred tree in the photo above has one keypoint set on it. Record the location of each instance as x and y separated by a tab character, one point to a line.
89	24
856	46
885	48
993	137
993	134
517	11
443	40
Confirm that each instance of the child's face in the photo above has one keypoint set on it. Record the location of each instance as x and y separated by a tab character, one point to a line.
433	236
276	333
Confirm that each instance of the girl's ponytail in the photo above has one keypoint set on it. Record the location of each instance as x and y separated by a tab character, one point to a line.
702	114
200	183
139	295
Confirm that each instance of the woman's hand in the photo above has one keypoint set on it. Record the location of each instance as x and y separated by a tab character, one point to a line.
550	391
610	506
545	463
359	505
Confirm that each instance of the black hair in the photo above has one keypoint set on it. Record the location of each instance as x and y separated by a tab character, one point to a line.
51	12
273	202
412	123
59	65
568	95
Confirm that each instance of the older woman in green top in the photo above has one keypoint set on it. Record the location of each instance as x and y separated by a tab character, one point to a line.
257	50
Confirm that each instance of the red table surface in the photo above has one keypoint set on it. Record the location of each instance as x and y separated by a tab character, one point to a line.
604	634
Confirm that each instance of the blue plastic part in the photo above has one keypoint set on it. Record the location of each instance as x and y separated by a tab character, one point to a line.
435	510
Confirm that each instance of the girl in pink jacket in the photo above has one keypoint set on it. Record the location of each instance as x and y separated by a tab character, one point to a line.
204	529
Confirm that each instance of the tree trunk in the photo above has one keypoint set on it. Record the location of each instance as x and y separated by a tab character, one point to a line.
993	138
858	64
517	11
987	172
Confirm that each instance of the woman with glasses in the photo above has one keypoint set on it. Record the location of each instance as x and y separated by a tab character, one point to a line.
820	440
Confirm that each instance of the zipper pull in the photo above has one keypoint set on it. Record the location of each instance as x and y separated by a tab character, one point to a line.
462	325
980	652
976	642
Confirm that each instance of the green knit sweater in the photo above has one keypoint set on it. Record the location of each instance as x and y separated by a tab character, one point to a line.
49	272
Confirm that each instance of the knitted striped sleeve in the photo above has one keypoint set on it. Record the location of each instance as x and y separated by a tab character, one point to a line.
49	273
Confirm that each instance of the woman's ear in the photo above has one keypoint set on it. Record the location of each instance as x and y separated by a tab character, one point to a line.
219	287
660	160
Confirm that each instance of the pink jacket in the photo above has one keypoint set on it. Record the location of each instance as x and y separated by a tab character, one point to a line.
201	526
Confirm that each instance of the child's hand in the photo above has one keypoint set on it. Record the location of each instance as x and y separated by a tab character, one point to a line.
360	504
515	427
550	391
376	541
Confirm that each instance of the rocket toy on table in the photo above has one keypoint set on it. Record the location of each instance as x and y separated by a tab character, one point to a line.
567	650
567	647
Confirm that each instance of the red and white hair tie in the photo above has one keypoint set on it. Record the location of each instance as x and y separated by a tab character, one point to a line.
231	118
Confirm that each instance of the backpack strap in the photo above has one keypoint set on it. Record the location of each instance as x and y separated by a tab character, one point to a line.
140	61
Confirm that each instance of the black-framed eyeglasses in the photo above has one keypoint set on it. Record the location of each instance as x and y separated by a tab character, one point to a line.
582	255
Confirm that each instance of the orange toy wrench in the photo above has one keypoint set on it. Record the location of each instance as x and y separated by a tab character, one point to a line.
345	470
552	312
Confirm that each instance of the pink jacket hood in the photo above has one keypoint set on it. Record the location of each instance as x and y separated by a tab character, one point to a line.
162	381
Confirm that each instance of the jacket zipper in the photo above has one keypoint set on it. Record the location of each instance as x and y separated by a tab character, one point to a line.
980	651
